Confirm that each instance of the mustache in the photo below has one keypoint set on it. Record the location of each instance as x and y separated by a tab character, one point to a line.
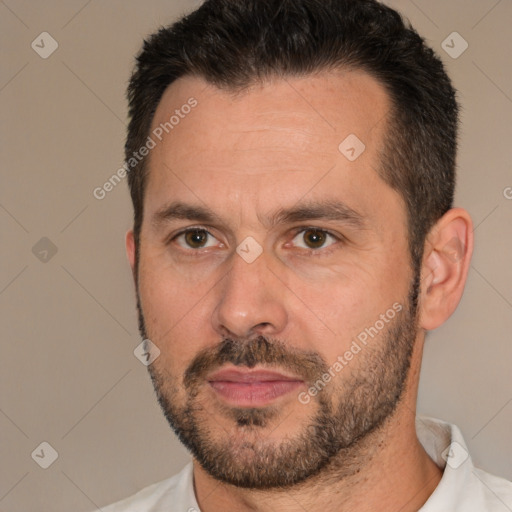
306	365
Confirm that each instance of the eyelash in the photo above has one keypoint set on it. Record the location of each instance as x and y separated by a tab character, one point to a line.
322	251
190	251
311	252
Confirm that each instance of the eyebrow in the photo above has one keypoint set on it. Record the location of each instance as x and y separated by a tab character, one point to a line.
327	209
178	210
333	210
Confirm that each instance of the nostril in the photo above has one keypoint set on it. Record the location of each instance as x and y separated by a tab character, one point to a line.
262	325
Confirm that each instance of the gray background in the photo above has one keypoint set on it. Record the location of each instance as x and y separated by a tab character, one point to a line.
68	373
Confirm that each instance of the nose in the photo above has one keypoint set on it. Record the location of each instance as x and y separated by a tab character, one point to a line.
250	301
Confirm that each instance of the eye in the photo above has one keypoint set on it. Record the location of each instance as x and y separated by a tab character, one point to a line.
195	238
313	238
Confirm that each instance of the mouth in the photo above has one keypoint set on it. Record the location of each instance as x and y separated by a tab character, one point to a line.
252	387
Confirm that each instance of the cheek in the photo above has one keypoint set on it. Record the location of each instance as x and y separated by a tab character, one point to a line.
176	311
170	292
346	303
159	300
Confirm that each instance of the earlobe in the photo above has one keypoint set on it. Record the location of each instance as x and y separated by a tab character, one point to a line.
445	267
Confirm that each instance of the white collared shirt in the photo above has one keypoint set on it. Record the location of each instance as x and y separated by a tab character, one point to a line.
463	488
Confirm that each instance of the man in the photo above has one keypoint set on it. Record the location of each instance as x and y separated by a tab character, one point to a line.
291	166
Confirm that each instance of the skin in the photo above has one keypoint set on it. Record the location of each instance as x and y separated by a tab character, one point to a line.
244	156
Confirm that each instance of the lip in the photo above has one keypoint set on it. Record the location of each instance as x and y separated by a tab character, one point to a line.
252	387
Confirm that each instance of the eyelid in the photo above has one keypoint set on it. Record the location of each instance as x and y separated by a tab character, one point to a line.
183	231
298	229
337	237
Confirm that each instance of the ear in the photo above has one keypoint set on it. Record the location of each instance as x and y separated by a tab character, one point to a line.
130	251
445	266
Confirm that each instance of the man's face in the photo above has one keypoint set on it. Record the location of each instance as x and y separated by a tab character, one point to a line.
283	315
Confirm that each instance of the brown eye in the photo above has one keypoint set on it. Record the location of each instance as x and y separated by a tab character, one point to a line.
312	238
196	238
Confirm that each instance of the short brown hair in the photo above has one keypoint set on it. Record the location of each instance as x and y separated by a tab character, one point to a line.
235	43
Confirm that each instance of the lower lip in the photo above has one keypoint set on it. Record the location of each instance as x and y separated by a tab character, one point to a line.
253	394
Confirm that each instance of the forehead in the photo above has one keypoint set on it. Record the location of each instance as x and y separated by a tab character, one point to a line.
316	110
273	141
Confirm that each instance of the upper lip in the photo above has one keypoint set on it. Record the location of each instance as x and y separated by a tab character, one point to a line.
249	375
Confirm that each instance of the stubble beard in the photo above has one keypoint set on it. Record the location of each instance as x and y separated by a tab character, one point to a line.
343	415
